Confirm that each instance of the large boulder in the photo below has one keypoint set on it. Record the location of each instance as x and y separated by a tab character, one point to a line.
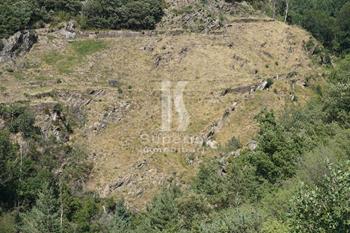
17	45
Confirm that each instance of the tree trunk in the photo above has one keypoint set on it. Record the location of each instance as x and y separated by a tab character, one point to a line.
287	9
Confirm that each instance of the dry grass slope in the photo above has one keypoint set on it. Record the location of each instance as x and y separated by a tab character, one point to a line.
80	74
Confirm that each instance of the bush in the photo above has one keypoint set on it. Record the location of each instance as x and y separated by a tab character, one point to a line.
71	6
8	165
163	212
234	220
16	15
337	102
269	82
321	25
130	14
277	154
344	26
326	207
234	144
327	20
19	119
212	184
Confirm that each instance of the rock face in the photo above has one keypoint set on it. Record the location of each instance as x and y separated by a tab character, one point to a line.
17	45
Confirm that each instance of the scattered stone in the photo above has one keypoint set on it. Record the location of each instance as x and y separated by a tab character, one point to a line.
212	144
139	193
119	183
113	83
139	165
293	98
235	153
292	74
262	86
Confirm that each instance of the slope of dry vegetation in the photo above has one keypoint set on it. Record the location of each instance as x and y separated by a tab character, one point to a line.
112	87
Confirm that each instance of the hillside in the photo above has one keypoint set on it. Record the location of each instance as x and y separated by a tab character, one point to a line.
111	86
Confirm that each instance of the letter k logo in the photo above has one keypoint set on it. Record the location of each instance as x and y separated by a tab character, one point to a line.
167	97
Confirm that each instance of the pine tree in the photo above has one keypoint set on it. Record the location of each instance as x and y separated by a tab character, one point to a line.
44	217
121	221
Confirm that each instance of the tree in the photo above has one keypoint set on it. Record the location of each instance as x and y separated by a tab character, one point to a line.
121	221
343	21
337	102
44	216
15	15
129	14
211	183
277	154
8	165
245	219
286	10
163	212
321	25
325	207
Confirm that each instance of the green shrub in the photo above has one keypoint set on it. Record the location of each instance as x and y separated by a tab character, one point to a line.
234	144
269	82
14	16
130	14
211	183
325	207
337	101
18	14
344	28
44	217
327	20
234	220
274	226
163	212
7	223
321	25
19	119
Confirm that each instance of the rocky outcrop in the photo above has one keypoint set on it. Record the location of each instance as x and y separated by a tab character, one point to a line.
17	45
209	135
52	121
246	89
68	31
113	113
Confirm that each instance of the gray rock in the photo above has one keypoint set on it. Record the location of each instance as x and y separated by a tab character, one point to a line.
113	83
262	86
17	45
71	25
212	144
119	183
2	124
68	31
235	153
252	145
